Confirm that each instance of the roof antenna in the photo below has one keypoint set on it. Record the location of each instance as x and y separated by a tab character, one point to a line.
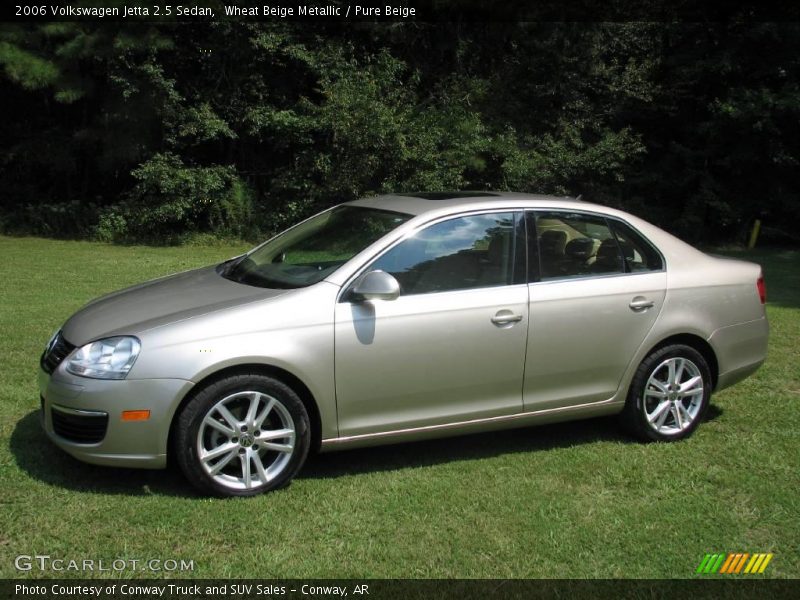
579	198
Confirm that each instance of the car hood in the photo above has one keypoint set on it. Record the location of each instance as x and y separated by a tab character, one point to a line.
160	302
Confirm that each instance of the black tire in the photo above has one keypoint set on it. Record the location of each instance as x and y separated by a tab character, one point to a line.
640	408
235	395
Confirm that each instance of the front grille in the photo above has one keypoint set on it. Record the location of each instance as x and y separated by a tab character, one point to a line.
56	353
87	428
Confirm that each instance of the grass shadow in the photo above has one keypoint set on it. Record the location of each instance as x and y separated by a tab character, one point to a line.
473	447
37	456
466	447
712	412
42	460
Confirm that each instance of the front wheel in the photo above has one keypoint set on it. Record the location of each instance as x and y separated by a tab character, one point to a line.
669	394
242	436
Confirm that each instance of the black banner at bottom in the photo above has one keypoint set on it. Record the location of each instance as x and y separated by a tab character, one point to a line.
372	589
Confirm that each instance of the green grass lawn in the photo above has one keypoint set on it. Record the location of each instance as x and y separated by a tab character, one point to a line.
570	500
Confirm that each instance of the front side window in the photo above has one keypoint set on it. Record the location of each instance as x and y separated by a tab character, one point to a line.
467	252
576	245
309	252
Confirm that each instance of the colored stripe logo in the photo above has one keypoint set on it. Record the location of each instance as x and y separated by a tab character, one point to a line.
734	563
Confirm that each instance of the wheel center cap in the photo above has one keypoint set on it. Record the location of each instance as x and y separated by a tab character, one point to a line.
246	440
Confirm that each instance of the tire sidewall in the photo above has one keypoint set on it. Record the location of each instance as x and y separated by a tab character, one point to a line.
191	418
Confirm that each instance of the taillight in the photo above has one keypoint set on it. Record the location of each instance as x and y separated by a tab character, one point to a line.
762	289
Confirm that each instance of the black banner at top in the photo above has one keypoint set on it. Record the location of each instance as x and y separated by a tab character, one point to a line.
399	10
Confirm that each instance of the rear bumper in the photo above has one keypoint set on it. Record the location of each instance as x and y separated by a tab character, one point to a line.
740	349
73	410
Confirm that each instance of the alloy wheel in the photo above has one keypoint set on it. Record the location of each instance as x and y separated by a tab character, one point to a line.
673	396
246	440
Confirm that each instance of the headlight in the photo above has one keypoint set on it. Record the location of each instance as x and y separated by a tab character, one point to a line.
110	358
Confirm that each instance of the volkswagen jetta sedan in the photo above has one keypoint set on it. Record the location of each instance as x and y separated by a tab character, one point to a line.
399	318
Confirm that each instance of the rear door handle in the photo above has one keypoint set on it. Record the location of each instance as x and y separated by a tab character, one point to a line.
506	317
640	303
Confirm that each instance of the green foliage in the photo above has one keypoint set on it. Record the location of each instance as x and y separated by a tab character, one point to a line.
26	69
168	130
171	199
202	124
379	140
59	220
554	162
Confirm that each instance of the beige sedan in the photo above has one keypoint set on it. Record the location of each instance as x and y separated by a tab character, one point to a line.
400	318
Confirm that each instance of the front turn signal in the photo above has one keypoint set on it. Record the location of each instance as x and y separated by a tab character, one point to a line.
135	415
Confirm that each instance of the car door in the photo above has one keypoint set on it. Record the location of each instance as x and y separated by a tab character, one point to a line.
451	347
597	289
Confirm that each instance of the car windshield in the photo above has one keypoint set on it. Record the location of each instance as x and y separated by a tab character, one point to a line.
312	250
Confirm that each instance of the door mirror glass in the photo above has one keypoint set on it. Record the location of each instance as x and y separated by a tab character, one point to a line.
376	285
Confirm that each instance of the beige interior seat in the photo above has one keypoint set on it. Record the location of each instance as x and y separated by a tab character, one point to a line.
608	258
552	243
580	253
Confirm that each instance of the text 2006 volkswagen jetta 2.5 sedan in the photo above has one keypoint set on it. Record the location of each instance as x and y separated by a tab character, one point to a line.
401	318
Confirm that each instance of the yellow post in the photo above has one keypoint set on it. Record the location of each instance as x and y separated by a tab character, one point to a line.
754	234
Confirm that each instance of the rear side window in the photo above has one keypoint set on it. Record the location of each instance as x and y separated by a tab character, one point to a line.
576	245
638	254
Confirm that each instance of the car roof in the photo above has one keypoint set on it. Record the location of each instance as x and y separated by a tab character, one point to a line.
423	202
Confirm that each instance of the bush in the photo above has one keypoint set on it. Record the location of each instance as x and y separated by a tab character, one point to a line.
59	220
172	201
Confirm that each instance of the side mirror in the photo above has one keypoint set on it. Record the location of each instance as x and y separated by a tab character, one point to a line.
376	285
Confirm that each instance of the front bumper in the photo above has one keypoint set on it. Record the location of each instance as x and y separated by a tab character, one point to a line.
80	403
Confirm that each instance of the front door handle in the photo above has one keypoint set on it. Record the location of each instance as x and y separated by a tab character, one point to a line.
640	303
506	317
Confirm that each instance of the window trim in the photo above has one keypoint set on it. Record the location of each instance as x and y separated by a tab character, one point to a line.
344	292
532	245
609	219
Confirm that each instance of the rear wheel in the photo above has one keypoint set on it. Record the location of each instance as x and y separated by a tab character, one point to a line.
242	436
669	394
